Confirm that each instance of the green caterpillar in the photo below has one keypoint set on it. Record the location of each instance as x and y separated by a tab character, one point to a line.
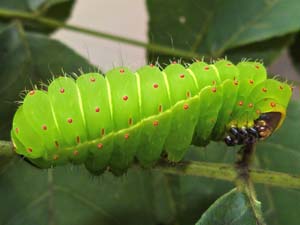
110	121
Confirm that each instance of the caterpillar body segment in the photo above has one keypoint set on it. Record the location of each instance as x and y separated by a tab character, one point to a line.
154	99
109	121
98	118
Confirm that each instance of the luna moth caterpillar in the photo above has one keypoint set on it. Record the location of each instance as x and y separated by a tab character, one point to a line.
108	121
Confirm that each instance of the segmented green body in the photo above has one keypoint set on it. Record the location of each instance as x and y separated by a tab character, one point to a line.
108	121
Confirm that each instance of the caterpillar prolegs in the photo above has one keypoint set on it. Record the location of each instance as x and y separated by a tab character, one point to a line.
108	121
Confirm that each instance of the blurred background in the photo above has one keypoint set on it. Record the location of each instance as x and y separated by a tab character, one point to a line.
32	52
125	18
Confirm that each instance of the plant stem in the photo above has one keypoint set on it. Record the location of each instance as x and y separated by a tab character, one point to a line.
243	180
219	171
13	14
228	172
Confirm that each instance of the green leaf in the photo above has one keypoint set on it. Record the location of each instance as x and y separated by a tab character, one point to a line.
217	28
72	197
5	153
266	51
14	71
26	59
56	9
69	195
295	53
233	208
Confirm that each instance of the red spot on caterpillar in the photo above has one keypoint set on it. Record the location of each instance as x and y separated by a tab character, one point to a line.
100	145
258	111
155	85
235	82
102	131
250	105
251	81
75	152
126	136
181	75
130	121
214	89
62	90
97	109
78	139
229	64
160	108
29	150
17	130
264	89
151	65
174	62
55	157
188	94
280	87
32	92
155	123
257	66
125	98
185	106
272	104
241	103
214	82
122	70
93	79
56	144
70	120
44	127
206	68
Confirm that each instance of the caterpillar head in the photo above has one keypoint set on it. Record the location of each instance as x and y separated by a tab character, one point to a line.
268	102
267	123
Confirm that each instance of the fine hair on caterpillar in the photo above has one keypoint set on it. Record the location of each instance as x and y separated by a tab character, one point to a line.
108	121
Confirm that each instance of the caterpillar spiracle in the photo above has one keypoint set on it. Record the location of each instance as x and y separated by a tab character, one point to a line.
108	121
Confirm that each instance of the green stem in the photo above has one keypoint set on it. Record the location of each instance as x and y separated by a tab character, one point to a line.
228	173
205	169
12	14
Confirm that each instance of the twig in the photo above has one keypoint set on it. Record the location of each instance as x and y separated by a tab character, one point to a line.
13	14
228	172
